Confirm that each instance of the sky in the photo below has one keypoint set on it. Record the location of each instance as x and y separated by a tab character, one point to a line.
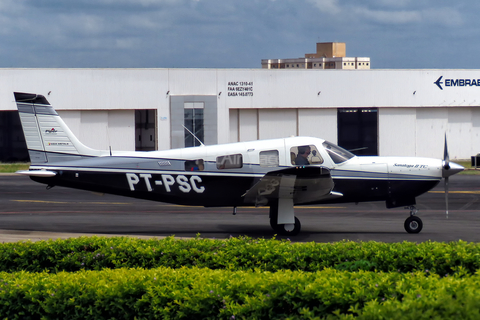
395	34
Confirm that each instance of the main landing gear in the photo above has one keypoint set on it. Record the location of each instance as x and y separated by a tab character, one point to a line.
286	229
413	224
283	221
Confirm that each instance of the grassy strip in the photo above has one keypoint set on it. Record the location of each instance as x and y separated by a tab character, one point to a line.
97	253
467	164
12	167
195	293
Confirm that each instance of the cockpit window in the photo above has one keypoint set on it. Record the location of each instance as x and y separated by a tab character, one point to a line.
337	153
305	155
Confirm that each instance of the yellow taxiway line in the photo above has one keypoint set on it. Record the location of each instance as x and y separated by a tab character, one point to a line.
460	192
164	205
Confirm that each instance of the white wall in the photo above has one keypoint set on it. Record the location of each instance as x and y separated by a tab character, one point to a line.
414	112
421	132
397	132
277	123
320	123
102	129
233	121
248	125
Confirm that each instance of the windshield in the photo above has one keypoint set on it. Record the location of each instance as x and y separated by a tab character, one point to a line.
337	153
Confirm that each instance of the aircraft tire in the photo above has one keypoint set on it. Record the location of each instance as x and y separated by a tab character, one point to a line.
273	223
279	228
413	224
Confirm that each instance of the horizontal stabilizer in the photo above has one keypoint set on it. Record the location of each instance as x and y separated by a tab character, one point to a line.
37	173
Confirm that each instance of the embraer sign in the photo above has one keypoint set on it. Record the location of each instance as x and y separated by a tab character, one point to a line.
457	82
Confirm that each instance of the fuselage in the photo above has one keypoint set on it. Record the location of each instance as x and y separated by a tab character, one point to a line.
220	175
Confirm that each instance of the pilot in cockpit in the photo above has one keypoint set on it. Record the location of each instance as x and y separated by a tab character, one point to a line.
303	153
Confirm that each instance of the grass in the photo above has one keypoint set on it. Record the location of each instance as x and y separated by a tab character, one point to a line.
469	170
12	167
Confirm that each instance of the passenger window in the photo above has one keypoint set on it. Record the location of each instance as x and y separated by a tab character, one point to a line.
305	155
194	165
269	158
232	161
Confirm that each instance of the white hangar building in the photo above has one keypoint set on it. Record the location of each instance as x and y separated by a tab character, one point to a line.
379	112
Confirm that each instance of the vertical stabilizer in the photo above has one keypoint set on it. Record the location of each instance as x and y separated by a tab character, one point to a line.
48	137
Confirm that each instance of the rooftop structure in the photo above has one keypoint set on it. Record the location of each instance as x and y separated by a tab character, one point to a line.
329	55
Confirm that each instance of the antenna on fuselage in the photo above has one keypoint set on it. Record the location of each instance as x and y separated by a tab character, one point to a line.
108	140
193	135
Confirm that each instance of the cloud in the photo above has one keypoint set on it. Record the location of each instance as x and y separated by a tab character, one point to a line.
327	6
444	16
389	17
224	33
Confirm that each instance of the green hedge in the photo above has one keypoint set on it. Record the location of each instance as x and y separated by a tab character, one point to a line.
199	293
97	253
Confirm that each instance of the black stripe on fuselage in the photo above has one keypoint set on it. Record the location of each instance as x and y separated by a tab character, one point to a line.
208	188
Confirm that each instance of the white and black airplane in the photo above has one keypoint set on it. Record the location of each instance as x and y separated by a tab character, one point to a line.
279	173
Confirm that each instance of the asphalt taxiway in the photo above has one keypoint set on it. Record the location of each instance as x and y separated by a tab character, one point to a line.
29	211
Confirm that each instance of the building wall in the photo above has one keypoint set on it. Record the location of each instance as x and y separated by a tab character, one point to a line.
102	129
421	131
415	107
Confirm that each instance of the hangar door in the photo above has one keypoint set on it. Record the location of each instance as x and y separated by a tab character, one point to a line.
358	130
145	130
12	141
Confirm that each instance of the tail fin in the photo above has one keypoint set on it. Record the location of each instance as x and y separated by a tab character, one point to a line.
48	137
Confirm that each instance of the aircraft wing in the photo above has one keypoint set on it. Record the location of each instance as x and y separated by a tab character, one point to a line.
302	184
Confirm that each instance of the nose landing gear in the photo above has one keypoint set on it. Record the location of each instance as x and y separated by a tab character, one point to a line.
413	224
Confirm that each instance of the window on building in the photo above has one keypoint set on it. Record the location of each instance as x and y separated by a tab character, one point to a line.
194	165
269	158
305	155
232	161
193	122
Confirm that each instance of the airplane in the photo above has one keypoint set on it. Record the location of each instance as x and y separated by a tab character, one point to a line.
278	173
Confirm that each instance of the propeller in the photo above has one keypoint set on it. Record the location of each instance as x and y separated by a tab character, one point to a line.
448	169
445	173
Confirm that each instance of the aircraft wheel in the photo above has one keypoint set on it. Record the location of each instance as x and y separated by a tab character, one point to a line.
273	223
413	224
286	230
